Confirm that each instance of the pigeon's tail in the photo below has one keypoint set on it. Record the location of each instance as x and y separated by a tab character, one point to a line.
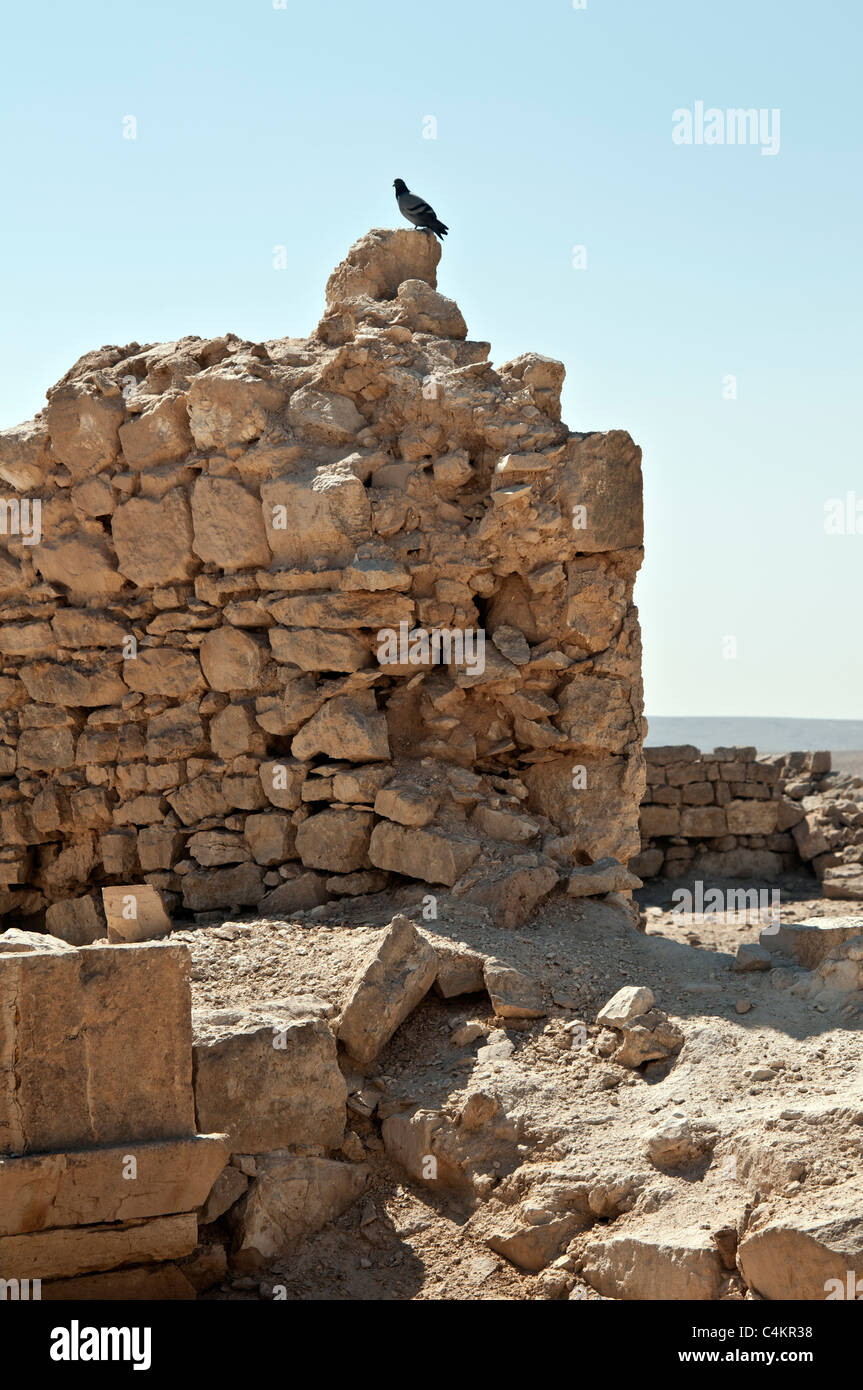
438	227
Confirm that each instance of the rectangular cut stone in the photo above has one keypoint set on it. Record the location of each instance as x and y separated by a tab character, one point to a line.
71	1250
269	1078
341	611
95	1047
135	912
89	1186
141	1284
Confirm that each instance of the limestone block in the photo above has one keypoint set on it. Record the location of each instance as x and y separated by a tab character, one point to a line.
228	527
135	912
69	1251
268	1077
95	1047
85	1187
153	539
430	854
400	969
291	1197
335	840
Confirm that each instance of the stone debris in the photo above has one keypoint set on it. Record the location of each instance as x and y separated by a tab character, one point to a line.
512	994
643	1033
605	876
751	956
627	1003
680	1143
291	1196
391	982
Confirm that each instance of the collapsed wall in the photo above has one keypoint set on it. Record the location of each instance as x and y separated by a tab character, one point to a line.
292	620
734	813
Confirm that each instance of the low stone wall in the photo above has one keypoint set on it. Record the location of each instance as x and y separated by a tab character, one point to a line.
101	1167
291	620
734	813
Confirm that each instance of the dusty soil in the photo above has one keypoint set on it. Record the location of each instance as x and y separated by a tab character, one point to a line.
577	1115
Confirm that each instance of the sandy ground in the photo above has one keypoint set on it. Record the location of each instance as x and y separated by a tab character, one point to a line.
575	1113
848	762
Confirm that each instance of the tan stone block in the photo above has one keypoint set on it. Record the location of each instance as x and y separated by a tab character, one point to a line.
398	971
76	920
53	684
409	804
337	841
348	726
231	888
312	650
231	659
268	1077
84	426
88	1186
95	1047
163	671
85	565
659	820
118	852
703	822
198	799
429	854
234	733
176	733
229	528
153	539
228	406
159	434
337	612
135	912
27	639
138	1284
271	837
74	1250
751	817
291	1197
682	774
46	750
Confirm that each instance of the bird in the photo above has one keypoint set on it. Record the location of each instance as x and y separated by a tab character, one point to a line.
417	210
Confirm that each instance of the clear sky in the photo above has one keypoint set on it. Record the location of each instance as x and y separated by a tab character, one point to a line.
258	127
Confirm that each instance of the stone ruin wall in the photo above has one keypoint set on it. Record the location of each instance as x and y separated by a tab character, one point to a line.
734	813
191	699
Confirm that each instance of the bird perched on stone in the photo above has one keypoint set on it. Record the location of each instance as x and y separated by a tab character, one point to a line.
417	210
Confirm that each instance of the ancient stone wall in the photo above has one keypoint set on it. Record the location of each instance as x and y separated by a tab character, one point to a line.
291	620
735	813
101	1167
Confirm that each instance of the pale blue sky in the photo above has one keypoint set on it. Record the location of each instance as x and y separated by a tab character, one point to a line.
259	126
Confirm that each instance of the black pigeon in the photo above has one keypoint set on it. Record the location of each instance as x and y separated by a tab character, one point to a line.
417	210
